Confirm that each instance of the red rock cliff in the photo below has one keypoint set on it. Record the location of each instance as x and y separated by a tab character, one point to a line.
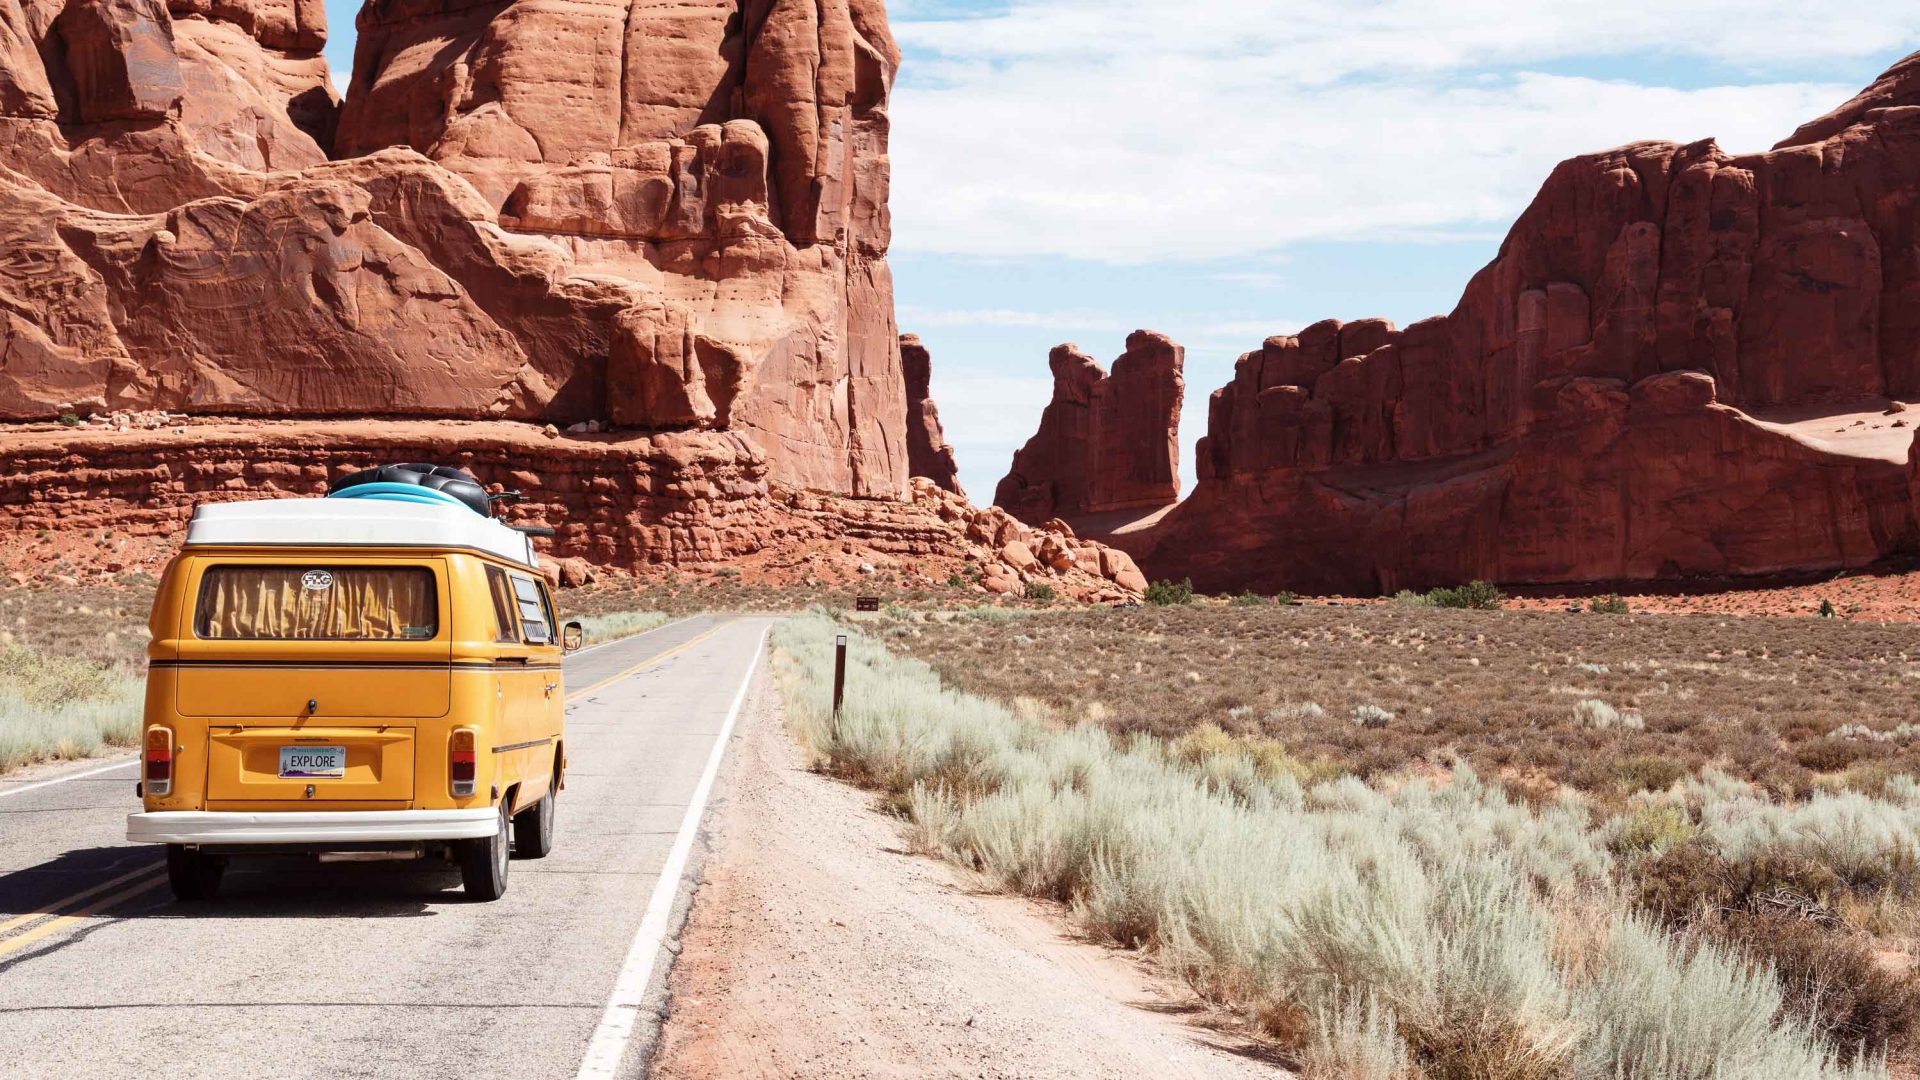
667	218
1106	442
928	452
1676	366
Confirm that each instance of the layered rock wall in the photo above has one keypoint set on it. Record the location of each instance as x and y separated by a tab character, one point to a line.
681	499
1643	384
1106	441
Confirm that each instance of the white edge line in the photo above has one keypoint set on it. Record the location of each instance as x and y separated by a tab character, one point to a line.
609	1043
70	776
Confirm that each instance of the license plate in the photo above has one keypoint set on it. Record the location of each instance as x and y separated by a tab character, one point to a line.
313	762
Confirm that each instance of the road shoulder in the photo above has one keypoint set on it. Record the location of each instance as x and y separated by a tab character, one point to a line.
816	947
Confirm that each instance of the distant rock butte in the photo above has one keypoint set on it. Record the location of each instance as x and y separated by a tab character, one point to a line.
668	220
1675	367
1106	441
928	452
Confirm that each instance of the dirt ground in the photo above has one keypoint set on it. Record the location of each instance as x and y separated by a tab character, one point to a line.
816	947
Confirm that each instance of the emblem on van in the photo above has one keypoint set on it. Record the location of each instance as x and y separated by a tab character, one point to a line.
316	580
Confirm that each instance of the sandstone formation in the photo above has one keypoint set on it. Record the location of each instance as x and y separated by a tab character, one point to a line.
1106	441
126	487
928	452
669	219
1676	366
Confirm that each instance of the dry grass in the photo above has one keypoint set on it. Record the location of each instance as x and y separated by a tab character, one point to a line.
1420	928
1605	704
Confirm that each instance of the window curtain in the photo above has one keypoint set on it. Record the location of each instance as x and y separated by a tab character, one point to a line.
282	603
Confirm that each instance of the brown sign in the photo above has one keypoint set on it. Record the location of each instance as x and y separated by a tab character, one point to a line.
866	603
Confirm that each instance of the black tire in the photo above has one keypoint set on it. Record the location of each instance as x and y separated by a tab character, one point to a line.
193	874
533	828
483	861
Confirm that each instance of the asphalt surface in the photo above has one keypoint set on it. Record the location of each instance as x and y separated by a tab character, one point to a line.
376	969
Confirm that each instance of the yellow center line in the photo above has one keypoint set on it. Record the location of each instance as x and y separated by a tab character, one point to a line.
647	663
33	916
14	944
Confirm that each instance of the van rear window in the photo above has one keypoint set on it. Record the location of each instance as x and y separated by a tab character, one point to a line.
318	603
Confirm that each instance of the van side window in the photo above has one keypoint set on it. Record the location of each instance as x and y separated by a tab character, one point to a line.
503	606
546	600
534	624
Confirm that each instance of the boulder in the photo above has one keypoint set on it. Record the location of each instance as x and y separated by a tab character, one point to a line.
1017	555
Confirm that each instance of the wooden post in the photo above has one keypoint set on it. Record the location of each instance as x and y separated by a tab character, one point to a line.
839	672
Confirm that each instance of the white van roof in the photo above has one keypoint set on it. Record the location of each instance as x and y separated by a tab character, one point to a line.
354	523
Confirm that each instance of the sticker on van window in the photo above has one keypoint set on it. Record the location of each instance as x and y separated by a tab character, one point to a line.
316	580
416	631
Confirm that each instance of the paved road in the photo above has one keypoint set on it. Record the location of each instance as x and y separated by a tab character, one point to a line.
376	970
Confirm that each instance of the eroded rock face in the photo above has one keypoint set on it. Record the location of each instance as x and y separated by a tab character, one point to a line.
631	501
1603	402
928	452
728	158
1106	441
666	218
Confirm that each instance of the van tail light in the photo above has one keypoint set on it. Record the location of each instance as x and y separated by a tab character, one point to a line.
463	763
159	761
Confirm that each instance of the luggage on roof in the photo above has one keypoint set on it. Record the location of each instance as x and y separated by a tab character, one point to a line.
417	482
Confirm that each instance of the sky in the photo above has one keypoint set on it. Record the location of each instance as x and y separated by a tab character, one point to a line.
1226	170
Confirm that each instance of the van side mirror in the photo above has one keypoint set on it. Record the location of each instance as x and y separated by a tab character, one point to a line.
572	636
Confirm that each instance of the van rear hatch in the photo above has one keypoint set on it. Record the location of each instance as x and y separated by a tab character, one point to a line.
315	641
265	764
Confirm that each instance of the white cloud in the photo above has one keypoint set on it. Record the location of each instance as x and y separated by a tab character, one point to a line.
912	317
1135	130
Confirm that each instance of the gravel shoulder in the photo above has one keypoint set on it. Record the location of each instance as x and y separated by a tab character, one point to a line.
818	947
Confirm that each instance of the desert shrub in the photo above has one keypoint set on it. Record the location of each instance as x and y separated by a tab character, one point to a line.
1831	981
1829	754
1295	711
1413	599
955	581
1694	1011
1826	609
1382	932
1170	593
1597	715
1652	828
1039	590
1371	717
1611	604
614	625
1249	598
70	419
1477	595
64	707
1645	772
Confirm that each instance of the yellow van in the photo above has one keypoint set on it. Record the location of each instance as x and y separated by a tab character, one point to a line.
375	674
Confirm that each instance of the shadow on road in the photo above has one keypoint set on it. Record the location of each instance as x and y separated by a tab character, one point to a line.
269	887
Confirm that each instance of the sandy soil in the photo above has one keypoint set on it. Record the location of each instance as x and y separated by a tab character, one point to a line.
816	947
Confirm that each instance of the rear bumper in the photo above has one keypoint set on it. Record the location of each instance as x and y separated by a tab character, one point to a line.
310	827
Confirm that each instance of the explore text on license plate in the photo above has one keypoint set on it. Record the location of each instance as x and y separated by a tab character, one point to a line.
309	762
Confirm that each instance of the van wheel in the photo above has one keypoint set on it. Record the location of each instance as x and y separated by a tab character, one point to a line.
533	829
483	862
193	874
